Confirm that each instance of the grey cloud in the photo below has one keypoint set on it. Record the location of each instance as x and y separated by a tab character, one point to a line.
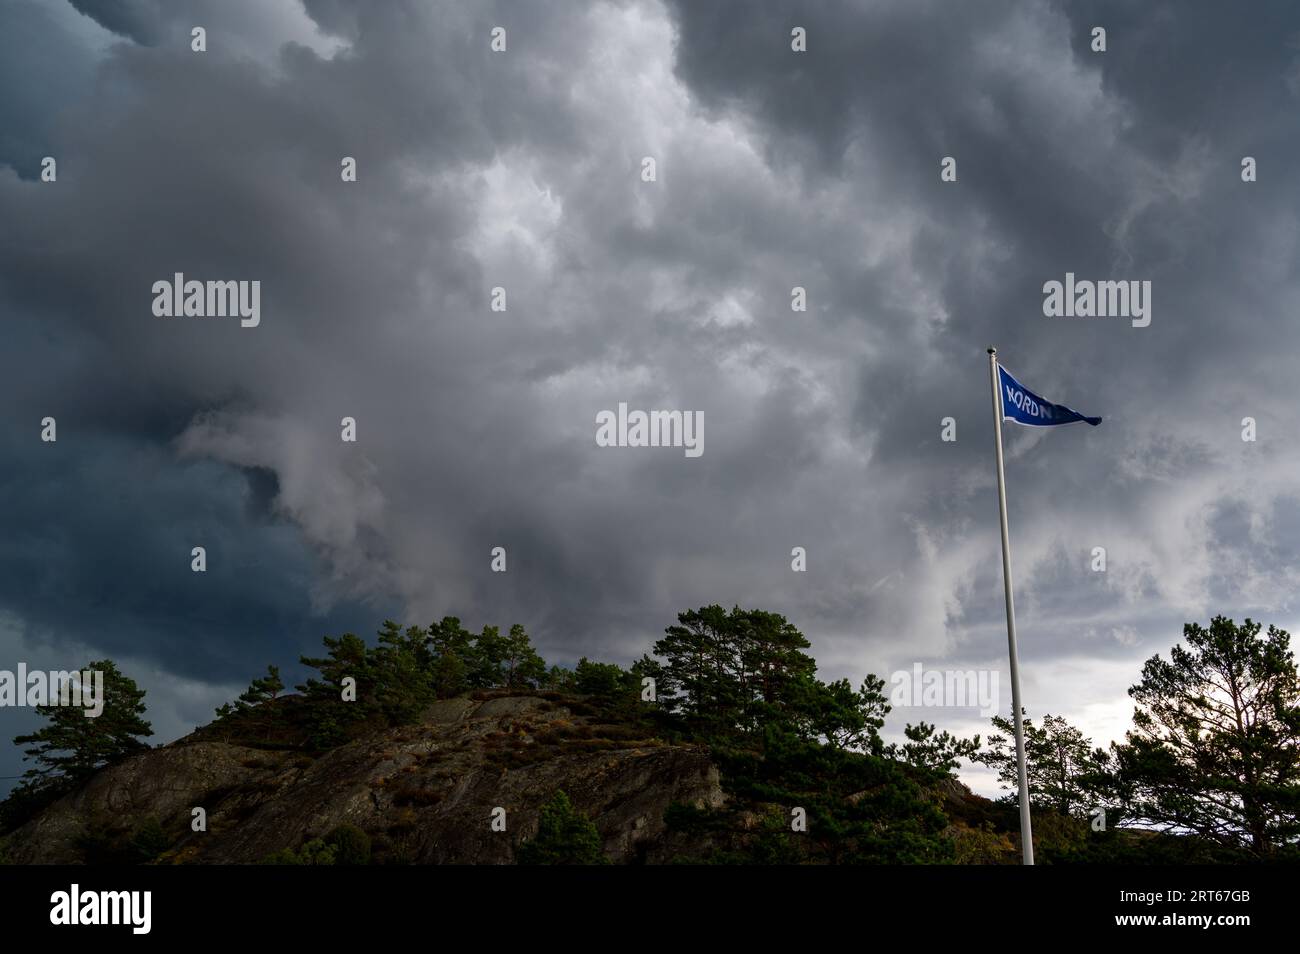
139	20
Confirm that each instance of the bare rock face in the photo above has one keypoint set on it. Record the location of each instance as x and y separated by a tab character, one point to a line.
425	793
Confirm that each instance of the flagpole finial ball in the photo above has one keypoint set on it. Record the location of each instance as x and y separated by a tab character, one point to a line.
993	350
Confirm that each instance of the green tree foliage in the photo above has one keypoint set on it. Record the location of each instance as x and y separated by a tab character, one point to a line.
313	852
393	682
408	669
486	659
351	845
104	844
253	705
452	647
331	719
861	808
346	656
521	667
931	752
737	673
644	668
1066	773
772	673
149	841
344	845
848	719
604	680
1215	747
698	659
564	837
559	679
263	689
489	660
400	671
74	745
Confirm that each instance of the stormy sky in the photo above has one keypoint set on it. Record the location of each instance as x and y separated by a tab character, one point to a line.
476	428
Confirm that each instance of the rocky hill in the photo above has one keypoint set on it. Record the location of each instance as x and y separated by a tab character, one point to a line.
424	793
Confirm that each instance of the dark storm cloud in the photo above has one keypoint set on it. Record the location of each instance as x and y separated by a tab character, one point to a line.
140	20
476	427
1122	164
97	552
1100	164
37	53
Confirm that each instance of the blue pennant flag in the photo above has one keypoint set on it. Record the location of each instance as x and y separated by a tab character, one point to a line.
1023	406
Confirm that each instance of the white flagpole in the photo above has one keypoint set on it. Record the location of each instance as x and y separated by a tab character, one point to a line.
1026	830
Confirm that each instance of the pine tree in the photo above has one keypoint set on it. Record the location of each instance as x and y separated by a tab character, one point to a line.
699	661
559	679
564	837
260	690
329	718
449	677
74	745
401	670
773	672
737	672
1063	768
485	659
935	753
848	719
451	646
345	656
522	667
605	680
264	688
1215	747
251	702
